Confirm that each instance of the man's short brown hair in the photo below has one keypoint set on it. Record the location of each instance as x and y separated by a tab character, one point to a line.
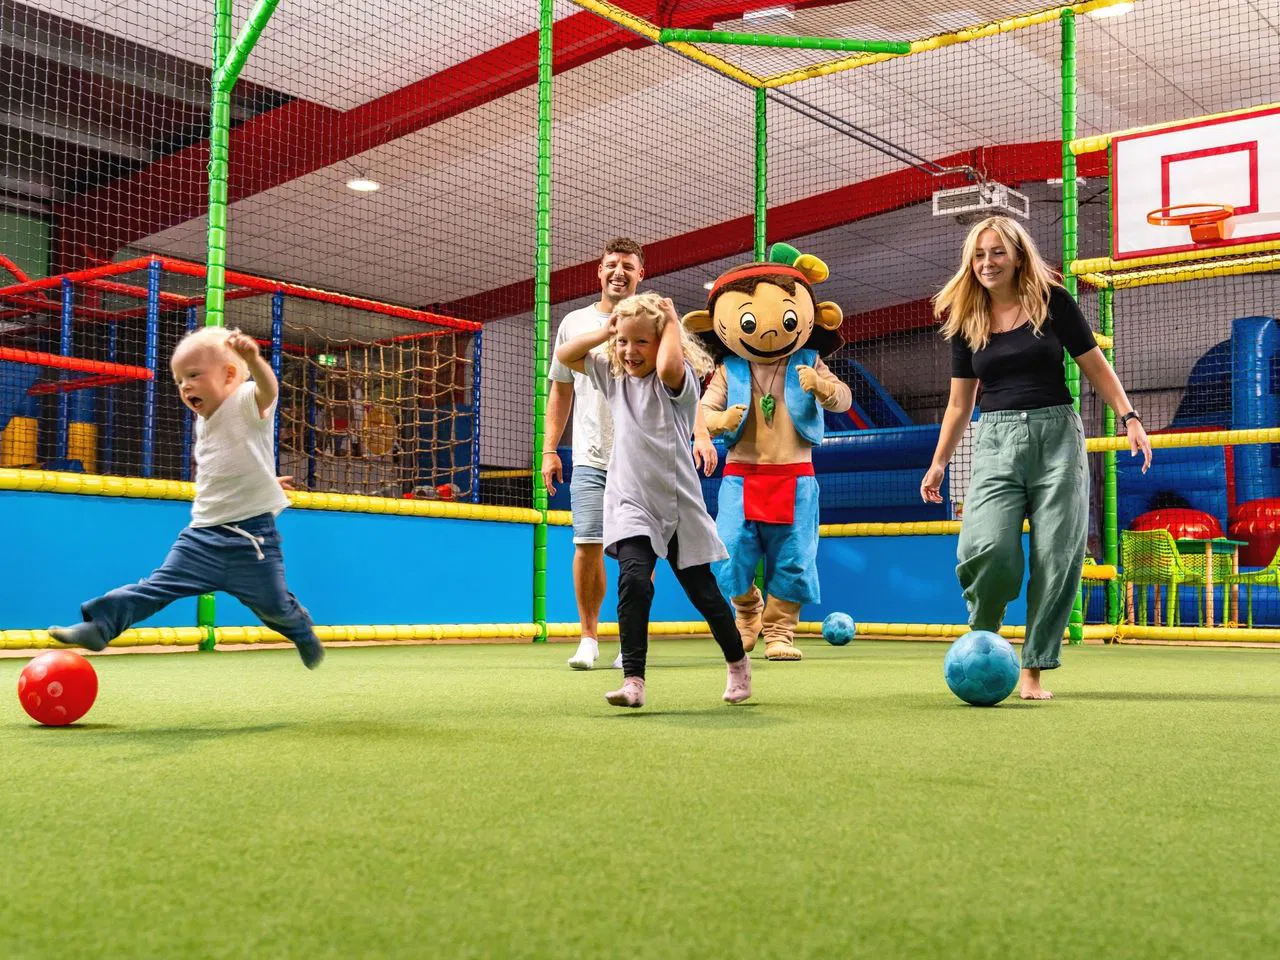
624	245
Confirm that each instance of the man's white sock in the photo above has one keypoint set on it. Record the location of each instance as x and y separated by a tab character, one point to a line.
584	658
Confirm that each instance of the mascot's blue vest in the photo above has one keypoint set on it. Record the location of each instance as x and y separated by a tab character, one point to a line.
803	407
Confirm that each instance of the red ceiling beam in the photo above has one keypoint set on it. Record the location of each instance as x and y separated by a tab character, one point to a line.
901	317
1010	164
301	137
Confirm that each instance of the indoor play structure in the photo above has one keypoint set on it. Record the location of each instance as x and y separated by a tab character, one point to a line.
391	414
1231	387
382	404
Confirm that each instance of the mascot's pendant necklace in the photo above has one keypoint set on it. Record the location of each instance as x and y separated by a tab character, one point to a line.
767	403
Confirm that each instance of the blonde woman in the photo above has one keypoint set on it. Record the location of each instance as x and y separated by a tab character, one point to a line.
651	375
1009	320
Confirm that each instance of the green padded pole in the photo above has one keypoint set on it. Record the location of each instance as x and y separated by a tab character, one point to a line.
1070	199
762	170
761	246
842	44
1110	516
1110	480
228	61
219	162
225	76
542	312
206	620
1070	239
216	253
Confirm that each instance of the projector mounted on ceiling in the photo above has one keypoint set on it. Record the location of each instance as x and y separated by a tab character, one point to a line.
975	202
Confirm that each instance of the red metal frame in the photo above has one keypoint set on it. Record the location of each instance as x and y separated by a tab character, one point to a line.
79	364
243	285
13	268
264	285
81	383
175	300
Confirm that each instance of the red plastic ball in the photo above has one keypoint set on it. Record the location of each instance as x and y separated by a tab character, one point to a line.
57	688
445	491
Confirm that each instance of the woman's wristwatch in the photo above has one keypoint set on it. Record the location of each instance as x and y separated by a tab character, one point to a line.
1124	421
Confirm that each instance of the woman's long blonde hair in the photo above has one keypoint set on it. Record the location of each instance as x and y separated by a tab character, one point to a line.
967	304
649	306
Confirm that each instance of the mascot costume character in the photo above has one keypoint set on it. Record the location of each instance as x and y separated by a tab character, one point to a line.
766	399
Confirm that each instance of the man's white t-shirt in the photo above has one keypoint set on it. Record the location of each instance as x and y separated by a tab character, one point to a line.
235	462
592	419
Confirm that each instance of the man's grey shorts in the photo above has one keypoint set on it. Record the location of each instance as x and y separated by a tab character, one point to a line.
586	500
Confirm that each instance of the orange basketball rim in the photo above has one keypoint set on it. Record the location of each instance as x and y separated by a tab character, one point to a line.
1207	220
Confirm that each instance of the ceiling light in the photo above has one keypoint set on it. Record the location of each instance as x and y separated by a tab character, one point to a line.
708	285
363	185
1115	10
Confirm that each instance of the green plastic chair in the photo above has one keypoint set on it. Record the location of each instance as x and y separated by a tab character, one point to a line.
1222	574
1268	576
1149	558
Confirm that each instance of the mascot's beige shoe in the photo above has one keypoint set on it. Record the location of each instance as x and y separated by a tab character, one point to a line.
782	649
748	614
780	619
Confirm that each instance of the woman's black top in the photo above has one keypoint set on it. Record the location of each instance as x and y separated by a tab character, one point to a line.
1020	370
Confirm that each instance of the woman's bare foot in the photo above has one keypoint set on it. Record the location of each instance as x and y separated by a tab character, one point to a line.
1030	689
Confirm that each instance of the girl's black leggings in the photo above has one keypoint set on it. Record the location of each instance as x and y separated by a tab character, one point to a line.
636	560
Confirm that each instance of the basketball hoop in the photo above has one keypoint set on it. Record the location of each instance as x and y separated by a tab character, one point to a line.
1207	220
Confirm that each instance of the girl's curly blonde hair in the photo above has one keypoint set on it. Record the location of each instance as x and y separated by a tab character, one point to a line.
649	306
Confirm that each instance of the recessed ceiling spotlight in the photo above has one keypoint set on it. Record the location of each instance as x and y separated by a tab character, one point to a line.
363	185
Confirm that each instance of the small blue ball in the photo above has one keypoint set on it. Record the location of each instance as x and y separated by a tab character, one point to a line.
838	629
981	668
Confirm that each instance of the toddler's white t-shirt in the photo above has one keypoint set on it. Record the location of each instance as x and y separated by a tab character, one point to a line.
235	462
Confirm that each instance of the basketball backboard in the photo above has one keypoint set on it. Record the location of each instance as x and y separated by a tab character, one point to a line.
1204	184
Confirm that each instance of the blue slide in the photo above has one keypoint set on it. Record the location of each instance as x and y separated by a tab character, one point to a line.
872	405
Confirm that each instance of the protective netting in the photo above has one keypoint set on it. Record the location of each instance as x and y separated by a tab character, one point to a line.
384	417
621	122
106	157
1194	338
889	252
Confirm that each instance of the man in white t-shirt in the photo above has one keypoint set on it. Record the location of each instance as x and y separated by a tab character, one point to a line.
620	271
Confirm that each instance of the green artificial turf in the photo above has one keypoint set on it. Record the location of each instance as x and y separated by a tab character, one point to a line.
483	801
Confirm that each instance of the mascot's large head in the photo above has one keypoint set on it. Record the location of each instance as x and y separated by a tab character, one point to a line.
765	312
